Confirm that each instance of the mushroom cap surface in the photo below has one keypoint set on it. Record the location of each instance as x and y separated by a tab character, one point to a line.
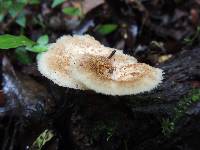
54	64
81	62
112	77
78	45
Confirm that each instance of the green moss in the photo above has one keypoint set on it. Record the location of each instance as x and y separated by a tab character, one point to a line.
168	125
192	39
106	129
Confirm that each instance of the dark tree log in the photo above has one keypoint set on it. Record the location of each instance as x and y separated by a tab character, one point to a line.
101	122
24	115
84	120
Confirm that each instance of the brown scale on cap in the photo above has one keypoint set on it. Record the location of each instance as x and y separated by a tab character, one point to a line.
98	65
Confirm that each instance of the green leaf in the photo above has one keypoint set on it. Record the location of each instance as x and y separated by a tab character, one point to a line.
38	48
190	40
8	41
41	46
43	40
32	2
22	56
195	98
198	29
187	40
16	8
41	140
6	4
1	17
106	29
71	11
2	12
21	20
56	3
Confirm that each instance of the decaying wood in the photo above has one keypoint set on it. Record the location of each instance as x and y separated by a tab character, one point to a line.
135	122
84	120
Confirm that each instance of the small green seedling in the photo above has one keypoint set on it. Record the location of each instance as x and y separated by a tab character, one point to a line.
22	45
42	139
106	29
169	124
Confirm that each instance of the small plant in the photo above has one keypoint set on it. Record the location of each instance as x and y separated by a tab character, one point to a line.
106	29
41	44
42	139
109	129
8	41
168	125
190	40
22	45
72	11
15	10
56	3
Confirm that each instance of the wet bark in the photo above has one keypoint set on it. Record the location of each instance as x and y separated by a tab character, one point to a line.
135	122
84	120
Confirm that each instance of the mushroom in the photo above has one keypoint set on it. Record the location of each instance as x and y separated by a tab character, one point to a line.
112	77
81	62
54	64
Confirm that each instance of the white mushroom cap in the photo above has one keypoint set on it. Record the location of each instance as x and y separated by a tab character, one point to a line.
54	64
81	62
112	77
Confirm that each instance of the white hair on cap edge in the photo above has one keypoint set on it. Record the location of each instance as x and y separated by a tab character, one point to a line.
54	64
